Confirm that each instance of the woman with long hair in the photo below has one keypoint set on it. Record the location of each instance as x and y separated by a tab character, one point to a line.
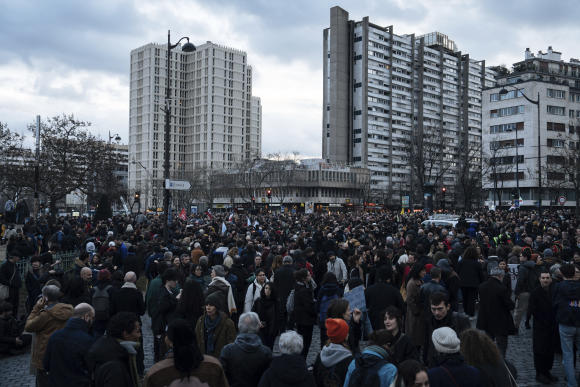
190	304
481	352
412	374
184	361
268	309
340	308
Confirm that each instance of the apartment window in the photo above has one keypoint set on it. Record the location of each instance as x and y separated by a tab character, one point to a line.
506	127
556	110
559	94
556	175
494	97
556	143
356	140
555	126
508	111
357	112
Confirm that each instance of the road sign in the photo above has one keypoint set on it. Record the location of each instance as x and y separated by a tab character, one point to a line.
182	185
562	200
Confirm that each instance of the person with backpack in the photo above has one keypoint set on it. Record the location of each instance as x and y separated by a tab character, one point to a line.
373	367
329	290
332	362
254	290
101	302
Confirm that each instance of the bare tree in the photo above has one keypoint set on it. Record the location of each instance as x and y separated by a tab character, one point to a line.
16	175
469	175
497	168
284	172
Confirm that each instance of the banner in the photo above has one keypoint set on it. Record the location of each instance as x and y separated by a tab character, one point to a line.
513	270
356	298
183	214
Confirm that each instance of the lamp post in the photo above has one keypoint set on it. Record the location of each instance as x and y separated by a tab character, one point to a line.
114	136
187	47
503	91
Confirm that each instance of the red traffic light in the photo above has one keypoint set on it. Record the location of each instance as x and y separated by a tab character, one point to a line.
269	193
443	189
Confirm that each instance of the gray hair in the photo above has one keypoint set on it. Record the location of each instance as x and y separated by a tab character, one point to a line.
249	323
130	276
51	293
168	256
291	343
82	309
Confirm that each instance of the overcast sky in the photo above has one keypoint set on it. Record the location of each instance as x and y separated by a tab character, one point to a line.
72	56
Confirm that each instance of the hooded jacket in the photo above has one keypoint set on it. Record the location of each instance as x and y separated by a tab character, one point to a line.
333	358
286	371
451	370
387	373
44	321
245	360
113	363
527	278
225	290
566	300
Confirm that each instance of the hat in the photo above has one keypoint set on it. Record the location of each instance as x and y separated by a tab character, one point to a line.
112	244
548	253
336	330
443	263
330	254
219	270
196	245
110	233
213	299
403	259
445	340
104	275
90	247
287	259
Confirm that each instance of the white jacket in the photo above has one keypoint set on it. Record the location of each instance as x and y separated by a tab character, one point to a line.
338	268
250	298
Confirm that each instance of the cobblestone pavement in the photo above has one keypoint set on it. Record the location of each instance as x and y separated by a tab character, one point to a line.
14	371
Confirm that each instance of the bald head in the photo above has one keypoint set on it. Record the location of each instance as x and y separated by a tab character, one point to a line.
131	277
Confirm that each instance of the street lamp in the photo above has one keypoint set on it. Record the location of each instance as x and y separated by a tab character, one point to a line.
114	136
187	47
504	91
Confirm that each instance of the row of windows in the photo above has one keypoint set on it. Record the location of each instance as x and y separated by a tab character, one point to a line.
507	111
506	127
494	97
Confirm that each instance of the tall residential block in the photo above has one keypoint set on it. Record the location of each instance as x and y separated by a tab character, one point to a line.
215	121
524	156
407	107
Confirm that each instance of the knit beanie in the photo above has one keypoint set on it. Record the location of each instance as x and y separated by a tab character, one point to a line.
445	340
336	330
213	299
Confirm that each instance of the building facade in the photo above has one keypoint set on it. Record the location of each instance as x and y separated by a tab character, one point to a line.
524	156
215	121
407	107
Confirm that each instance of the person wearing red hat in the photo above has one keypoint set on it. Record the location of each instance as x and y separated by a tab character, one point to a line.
332	362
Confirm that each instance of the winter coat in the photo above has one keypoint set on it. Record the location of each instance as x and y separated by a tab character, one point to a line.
245	360
470	273
527	278
44	321
152	297
330	291
225	333
270	312
167	310
333	358
338	268
494	375
164	373
387	374
415	321
287	371
451	370
454	320
495	308
127	299
113	363
224	289
9	275
304	305
284	281
65	357
10	329
545	327
378	297
252	294
402	348
566	299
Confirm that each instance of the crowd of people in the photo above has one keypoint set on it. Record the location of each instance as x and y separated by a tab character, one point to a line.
233	299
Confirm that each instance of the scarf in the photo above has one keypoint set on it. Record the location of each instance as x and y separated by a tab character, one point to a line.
210	326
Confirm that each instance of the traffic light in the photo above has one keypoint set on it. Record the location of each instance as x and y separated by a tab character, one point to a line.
253	200
137	195
269	193
443	191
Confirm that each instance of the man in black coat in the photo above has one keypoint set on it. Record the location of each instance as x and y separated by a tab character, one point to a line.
495	306
65	356
246	359
441	316
545	333
284	281
9	276
381	295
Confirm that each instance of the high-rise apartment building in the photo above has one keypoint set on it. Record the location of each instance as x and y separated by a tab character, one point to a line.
524	156
407	107
215	121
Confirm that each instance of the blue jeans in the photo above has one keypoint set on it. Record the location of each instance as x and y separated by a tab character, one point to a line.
569	335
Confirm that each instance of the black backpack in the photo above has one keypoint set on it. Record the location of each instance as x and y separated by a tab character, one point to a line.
329	377
366	373
101	303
